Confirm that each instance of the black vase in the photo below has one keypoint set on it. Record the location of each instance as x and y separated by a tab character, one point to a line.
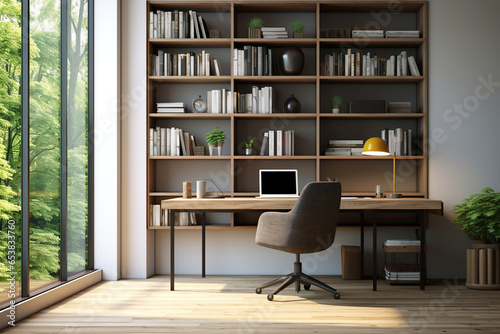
292	60
292	105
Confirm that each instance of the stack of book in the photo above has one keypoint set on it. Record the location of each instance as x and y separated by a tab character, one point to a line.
170	142
402	242
344	147
177	24
368	33
184	64
399	141
402	34
278	143
401	273
399	107
170	107
253	60
274	32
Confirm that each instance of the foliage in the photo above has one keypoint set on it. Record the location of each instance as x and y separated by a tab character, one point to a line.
216	136
256	22
248	143
479	216
298	25
336	101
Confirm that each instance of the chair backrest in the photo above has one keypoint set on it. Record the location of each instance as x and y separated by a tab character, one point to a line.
315	217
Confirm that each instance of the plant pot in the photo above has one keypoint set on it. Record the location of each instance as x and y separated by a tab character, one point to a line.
248	151
483	267
335	110
254	32
219	148
298	34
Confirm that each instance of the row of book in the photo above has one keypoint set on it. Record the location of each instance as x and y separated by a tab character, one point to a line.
344	147
355	63
367	33
177	24
170	142
159	217
278	143
399	141
184	64
260	101
253	60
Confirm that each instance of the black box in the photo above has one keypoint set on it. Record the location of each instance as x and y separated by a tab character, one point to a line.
367	106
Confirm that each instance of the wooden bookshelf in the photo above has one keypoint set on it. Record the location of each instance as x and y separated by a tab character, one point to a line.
236	173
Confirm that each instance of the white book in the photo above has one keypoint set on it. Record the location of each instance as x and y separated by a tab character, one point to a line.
398	65
168	24
196	27
271	100
255	100
155	25
157	141
163	141
151	142
229	101
413	66
208	61
156	214
241	60
151	24
391	142
271	143
279	143
168	151
173	143
191	25
404	63
398	141
235	62
181	24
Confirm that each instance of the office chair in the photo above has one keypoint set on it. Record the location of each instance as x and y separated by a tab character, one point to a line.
308	228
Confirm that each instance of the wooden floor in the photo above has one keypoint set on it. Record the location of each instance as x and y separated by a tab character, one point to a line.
229	304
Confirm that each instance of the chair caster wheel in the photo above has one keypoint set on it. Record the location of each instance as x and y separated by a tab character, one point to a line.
307	286
258	291
336	295
270	297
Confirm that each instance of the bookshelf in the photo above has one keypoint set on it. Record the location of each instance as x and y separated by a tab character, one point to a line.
237	174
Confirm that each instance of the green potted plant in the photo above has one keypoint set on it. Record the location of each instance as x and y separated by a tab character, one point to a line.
248	145
254	27
336	101
298	29
215	138
479	217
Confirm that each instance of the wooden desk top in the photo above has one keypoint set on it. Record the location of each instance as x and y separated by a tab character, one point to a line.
252	203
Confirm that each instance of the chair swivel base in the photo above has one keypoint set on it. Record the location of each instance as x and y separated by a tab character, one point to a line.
297	277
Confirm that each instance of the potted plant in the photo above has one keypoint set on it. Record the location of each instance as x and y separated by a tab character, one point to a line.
336	102
248	145
479	217
215	138
254	27
298	29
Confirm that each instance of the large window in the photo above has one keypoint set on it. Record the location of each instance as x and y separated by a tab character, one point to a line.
46	116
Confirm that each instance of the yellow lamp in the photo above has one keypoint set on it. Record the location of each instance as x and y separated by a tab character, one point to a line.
376	146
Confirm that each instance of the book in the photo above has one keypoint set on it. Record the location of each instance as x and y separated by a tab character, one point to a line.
264	148
177	110
413	66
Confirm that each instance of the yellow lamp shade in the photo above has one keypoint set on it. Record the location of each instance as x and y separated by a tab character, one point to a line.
375	146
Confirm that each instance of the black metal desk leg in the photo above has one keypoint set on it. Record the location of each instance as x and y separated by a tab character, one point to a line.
203	225
172	250
423	258
362	244
374	246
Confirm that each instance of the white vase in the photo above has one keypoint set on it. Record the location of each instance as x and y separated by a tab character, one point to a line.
211	149
219	148
335	110
248	151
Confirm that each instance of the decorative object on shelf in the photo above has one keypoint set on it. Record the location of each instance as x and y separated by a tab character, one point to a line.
186	189
336	103
215	33
248	145
378	191
291	60
376	146
254	27
215	138
479	217
292	105
201	188
199	105
199	150
298	29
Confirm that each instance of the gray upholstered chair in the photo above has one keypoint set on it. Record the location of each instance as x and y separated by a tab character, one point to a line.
308	228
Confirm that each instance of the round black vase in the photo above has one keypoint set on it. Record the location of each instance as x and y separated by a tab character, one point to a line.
292	105
292	60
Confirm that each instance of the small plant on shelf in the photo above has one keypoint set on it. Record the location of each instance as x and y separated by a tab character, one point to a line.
336	103
298	29
217	138
248	145
254	27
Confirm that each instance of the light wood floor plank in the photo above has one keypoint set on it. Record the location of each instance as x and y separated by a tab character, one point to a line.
229	304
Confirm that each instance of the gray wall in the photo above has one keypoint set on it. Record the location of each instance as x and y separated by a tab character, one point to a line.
463	52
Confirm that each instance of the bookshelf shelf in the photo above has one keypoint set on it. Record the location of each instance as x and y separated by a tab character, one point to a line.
315	125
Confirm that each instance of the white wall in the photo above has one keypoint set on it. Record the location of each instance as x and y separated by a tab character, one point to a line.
463	47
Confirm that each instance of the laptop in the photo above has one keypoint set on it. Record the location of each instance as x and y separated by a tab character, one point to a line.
278	183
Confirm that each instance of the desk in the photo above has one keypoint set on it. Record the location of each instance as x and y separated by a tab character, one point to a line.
234	204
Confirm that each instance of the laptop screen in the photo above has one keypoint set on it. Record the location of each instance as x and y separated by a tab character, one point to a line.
278	182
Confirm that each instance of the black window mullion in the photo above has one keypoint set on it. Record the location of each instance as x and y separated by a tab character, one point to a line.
90	143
